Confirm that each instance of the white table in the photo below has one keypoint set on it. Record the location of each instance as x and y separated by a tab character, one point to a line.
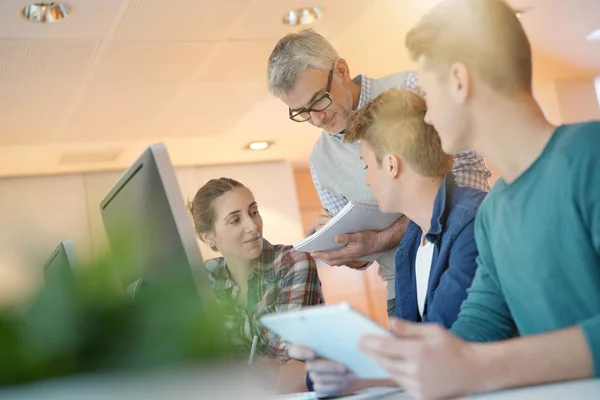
231	384
576	390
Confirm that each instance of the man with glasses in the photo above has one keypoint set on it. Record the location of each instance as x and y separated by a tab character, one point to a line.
307	74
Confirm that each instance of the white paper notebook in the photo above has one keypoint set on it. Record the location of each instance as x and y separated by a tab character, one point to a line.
354	217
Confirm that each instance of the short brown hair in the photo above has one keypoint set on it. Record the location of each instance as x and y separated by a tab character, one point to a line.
202	207
394	122
485	35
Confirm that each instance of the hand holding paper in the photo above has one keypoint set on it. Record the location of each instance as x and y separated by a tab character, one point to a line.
356	246
349	236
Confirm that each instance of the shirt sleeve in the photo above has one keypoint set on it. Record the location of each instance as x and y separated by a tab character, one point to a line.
484	316
454	282
331	202
470	170
300	287
469	167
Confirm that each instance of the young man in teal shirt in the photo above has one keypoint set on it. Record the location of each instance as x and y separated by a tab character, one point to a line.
538	231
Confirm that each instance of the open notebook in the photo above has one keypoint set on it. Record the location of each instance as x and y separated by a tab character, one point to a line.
354	217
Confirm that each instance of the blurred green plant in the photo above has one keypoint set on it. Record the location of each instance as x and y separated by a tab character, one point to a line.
89	324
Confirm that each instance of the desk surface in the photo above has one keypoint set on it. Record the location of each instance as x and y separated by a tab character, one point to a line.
232	384
580	390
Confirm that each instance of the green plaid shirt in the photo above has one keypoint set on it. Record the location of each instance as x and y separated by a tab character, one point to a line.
285	280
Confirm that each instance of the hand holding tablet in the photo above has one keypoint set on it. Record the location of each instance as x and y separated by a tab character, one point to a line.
333	332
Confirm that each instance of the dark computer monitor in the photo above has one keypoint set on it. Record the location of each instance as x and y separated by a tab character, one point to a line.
60	266
150	232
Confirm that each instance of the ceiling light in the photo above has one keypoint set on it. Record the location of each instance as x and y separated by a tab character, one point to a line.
519	12
46	12
594	35
303	16
258	145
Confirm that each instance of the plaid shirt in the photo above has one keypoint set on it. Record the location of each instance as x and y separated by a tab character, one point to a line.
285	280
469	168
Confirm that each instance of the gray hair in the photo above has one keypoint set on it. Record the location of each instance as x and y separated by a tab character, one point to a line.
293	54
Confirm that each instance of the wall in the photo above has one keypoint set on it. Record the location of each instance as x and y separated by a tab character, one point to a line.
37	212
568	100
578	100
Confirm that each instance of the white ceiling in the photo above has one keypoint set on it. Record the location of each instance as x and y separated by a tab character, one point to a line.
90	92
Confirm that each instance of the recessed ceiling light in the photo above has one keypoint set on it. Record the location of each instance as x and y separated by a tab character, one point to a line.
594	35
46	12
520	11
303	16
259	145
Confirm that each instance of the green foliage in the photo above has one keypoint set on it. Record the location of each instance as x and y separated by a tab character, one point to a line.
88	324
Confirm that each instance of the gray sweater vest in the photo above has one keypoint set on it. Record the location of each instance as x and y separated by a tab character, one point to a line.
340	171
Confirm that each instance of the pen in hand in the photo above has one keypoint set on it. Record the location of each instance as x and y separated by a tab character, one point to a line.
253	349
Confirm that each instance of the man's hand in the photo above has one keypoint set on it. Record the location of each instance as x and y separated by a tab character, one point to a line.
425	359
329	377
357	245
322	220
361	244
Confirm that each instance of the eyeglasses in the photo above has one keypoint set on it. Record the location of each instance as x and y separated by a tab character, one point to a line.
319	105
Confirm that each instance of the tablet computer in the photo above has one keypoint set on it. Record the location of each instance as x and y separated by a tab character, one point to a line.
333	332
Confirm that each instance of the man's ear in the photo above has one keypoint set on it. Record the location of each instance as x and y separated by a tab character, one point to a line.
460	82
393	165
342	70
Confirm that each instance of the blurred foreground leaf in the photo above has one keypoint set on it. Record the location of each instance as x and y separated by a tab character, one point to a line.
89	325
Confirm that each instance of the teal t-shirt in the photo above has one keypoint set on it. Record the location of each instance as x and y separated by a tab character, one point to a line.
539	247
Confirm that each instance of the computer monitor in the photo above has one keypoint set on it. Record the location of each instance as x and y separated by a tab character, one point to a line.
60	266
150	232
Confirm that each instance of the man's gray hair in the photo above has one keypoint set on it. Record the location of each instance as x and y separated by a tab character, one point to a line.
293	54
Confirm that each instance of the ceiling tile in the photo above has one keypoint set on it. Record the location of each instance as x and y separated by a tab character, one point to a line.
118	112
67	63
35	114
204	109
150	62
178	20
237	62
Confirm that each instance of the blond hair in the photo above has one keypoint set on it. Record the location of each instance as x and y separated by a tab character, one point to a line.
485	35
293	54
394	122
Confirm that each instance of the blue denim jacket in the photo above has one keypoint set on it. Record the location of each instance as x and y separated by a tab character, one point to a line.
453	264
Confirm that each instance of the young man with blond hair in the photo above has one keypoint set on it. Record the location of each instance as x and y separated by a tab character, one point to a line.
538	232
409	173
